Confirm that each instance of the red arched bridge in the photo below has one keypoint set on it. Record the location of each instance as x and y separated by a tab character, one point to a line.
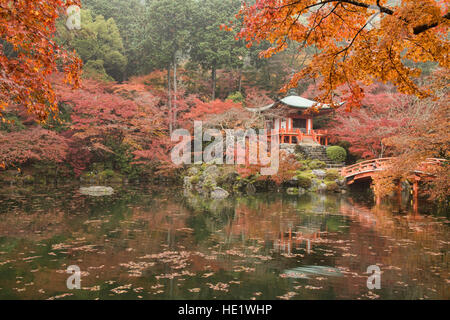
367	169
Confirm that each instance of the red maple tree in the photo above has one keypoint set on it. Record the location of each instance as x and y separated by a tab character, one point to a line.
28	55
383	113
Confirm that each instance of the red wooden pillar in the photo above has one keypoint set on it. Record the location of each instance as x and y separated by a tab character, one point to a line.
416	207
416	195
399	192
416	189
378	200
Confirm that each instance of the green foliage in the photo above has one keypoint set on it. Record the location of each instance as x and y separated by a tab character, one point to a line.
94	69
168	23
211	47
316	164
336	153
292	191
99	44
115	64
236	97
120	159
304	163
304	179
332	186
106	174
332	175
12	123
129	16
60	123
195	179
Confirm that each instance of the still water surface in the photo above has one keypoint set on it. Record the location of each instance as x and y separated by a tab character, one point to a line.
142	243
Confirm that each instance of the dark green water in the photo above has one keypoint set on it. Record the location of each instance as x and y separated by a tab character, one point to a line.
142	243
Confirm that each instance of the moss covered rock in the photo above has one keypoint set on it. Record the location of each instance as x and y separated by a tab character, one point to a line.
316	164
332	186
304	179
332	175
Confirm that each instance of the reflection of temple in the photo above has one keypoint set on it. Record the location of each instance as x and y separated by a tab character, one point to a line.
285	230
295	240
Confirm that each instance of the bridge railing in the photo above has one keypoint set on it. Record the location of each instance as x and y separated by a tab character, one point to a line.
429	164
365	166
382	163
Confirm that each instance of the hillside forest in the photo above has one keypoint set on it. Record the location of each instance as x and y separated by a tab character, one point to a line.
105	98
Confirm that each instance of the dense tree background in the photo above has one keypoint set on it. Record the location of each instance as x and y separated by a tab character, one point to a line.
151	66
125	38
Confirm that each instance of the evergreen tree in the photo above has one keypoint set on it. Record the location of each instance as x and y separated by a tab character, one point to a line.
98	44
212	47
129	16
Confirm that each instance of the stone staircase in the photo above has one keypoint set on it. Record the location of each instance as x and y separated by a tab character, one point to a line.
319	152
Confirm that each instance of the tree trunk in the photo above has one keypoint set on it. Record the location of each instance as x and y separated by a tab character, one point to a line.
213	80
240	80
169	98
175	90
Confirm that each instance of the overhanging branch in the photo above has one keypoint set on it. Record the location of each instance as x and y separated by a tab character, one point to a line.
416	30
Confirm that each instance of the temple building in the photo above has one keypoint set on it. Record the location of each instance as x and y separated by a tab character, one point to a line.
293	118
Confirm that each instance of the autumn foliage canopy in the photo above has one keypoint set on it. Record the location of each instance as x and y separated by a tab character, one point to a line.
28	55
353	42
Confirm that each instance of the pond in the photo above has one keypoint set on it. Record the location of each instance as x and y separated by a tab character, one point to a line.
147	243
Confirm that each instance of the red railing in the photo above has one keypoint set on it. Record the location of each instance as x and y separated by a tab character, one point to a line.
319	136
382	163
365	166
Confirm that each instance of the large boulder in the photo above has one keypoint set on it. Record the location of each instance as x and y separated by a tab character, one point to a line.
192	171
187	183
301	191
340	182
250	189
320	174
219	193
315	184
322	187
211	171
97	191
230	177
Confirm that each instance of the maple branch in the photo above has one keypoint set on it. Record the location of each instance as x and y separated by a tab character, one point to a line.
416	30
425	27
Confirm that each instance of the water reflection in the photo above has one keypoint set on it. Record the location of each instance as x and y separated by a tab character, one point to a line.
143	243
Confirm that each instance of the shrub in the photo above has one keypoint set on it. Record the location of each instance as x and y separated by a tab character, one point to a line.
195	179
304	179
332	175
236	97
317	164
107	174
304	165
332	186
336	153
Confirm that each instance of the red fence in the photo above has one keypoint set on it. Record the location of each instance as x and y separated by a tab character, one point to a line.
287	136
382	163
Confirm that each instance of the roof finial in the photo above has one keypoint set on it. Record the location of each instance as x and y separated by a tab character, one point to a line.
292	91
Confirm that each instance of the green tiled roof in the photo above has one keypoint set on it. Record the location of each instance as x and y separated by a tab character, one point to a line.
302	103
295	102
